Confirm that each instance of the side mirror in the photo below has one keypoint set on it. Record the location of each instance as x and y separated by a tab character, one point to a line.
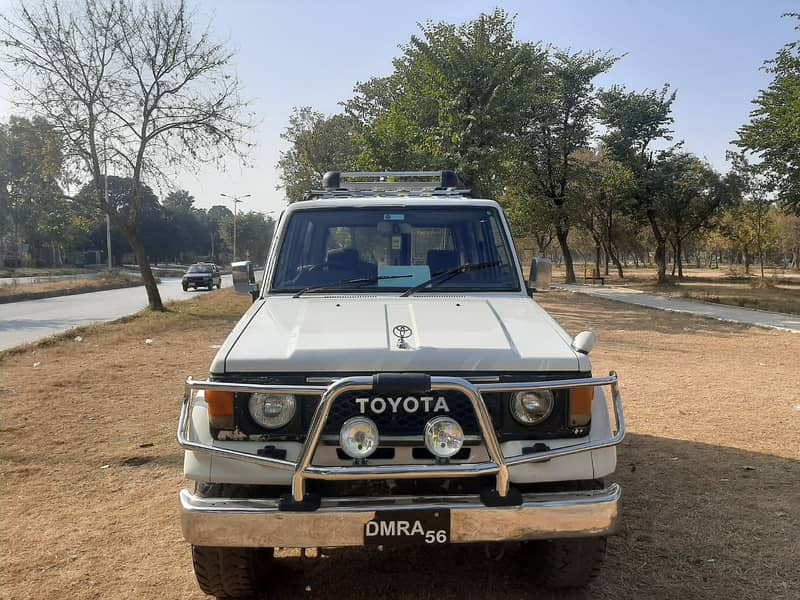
541	274
244	278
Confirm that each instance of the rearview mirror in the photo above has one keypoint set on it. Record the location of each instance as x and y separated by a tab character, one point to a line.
244	278
541	274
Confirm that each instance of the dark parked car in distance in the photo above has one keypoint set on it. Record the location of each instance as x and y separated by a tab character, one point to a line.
202	275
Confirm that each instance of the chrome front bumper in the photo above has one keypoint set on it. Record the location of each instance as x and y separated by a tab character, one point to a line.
341	521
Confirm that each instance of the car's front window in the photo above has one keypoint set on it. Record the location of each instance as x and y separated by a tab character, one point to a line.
199	269
399	247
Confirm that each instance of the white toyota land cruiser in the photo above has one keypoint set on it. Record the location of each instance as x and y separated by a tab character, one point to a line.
394	383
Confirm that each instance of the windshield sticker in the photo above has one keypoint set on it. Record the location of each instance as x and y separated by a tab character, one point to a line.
397	242
394	217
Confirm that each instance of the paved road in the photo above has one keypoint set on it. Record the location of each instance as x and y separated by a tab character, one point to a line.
22	322
721	312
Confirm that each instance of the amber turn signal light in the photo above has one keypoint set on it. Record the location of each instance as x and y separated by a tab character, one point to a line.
220	404
220	409
580	406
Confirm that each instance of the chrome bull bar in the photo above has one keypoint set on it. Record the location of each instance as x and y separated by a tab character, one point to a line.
497	464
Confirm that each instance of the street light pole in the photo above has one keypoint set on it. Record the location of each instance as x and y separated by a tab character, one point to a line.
105	195
236	200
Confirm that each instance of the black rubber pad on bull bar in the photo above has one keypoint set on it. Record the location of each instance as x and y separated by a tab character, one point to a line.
309	503
490	497
401	383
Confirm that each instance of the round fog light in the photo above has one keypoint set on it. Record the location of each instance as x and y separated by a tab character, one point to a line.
530	408
443	437
359	437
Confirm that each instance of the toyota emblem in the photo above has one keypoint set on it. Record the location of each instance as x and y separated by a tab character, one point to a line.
402	332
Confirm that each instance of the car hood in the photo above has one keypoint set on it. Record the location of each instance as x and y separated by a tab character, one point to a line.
329	334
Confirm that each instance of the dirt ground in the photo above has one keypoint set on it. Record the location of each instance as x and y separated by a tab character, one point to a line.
710	473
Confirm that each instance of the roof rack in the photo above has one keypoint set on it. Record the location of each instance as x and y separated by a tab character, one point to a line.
389	183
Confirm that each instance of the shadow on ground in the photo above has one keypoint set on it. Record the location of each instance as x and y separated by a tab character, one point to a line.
700	521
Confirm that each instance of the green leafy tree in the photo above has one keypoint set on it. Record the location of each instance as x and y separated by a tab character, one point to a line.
773	132
31	168
214	218
450	102
316	144
754	189
789	234
635	122
557	120
603	190
687	194
253	234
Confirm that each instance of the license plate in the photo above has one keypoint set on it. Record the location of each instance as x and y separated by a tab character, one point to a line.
408	527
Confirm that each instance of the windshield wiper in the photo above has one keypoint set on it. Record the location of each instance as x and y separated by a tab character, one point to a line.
449	274
358	280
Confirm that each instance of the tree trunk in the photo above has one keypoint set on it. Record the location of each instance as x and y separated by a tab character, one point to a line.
597	251
561	234
661	248
679	257
615	259
153	296
674	260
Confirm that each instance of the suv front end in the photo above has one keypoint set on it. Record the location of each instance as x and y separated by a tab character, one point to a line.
397	413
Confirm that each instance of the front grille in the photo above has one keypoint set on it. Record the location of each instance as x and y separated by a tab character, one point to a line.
403	423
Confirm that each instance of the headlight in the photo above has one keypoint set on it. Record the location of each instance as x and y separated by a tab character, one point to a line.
359	437
272	411
443	437
530	408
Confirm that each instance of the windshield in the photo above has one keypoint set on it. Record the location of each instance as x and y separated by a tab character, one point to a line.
199	269
394	248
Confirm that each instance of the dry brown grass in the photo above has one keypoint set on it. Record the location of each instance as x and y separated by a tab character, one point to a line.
709	470
778	292
15	292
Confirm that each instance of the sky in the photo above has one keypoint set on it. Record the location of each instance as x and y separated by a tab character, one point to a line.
311	53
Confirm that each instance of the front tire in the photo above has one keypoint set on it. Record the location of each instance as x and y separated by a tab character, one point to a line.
570	563
185	288
229	572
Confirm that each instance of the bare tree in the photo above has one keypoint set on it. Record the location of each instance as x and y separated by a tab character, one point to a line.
133	88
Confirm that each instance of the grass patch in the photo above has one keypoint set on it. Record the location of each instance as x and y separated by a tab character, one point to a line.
16	292
43	271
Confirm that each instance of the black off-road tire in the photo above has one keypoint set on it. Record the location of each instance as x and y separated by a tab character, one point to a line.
230	572
227	572
570	563
185	288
